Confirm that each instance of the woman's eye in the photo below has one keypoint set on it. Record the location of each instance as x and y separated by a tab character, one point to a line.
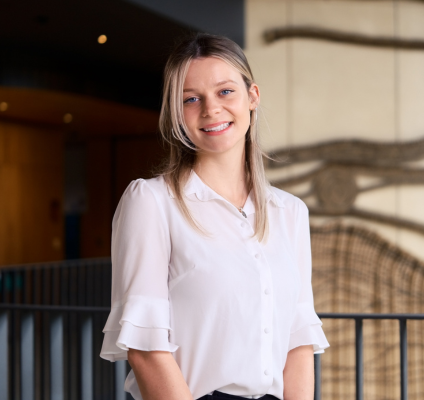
190	100
227	91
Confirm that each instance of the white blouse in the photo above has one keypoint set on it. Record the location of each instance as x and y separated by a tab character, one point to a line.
227	306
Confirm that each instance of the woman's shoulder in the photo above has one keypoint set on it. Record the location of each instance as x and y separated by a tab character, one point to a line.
156	187
146	198
146	193
287	200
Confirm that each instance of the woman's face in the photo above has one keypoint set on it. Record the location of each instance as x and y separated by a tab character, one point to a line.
217	105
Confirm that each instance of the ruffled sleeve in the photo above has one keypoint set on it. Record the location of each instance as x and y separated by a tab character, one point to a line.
306	328
139	317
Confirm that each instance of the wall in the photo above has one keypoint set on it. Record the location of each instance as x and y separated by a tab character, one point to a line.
31	193
112	163
314	91
54	170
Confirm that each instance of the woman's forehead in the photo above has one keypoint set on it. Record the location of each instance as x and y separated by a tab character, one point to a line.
210	72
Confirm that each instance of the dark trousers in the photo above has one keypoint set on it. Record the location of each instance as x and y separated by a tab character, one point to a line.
220	395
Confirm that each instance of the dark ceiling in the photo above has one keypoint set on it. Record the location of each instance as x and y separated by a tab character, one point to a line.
53	44
221	17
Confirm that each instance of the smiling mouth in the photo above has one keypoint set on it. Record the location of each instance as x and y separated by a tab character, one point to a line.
217	128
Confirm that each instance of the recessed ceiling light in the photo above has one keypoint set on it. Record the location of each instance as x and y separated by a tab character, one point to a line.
4	106
102	39
67	118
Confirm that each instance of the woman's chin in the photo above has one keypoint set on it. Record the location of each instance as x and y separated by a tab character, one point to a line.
220	143
218	148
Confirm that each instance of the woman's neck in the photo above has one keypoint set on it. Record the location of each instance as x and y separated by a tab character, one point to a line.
226	175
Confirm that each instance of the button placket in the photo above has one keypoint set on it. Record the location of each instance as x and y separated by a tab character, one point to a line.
266	316
266	308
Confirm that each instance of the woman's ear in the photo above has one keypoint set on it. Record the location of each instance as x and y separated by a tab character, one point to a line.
254	96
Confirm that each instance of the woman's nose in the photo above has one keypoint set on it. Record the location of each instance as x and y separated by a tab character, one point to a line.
210	106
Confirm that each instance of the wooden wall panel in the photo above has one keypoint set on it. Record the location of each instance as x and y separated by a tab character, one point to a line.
135	157
31	193
96	223
10	217
111	165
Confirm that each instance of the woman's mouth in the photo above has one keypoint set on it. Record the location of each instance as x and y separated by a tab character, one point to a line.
217	130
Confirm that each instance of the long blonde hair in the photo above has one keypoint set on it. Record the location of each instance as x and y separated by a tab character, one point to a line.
182	152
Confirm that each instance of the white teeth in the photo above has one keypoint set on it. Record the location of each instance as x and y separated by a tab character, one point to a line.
218	128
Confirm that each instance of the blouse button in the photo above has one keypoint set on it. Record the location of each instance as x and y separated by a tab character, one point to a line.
267	291
257	255
266	330
266	372
242	224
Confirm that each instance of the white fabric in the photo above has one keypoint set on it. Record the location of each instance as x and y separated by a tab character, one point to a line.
228	307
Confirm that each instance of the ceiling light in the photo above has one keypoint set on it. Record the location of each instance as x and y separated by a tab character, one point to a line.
102	39
67	118
4	106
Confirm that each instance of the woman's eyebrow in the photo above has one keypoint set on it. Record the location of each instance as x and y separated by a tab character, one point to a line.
216	84
222	82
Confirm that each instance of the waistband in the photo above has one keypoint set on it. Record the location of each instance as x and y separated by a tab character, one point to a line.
220	395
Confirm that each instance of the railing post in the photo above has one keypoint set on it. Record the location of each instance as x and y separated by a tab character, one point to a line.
4	355
359	359
403	359
87	357
56	358
120	376
27	356
317	369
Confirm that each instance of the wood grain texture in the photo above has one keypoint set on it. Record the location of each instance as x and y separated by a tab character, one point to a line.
31	194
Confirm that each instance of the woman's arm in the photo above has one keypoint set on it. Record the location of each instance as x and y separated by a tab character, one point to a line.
158	375
298	374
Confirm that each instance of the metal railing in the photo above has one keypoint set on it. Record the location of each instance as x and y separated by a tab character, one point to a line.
51	321
48	312
84	282
359	345
52	352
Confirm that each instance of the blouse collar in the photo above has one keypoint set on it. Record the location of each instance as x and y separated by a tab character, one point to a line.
204	193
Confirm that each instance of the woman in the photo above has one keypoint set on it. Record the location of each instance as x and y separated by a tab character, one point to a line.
211	290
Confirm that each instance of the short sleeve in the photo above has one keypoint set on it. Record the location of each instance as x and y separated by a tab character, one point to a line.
306	328
139	316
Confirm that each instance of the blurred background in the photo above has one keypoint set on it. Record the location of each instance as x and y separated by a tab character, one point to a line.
342	117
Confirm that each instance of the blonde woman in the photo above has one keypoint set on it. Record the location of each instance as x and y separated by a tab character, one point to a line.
211	290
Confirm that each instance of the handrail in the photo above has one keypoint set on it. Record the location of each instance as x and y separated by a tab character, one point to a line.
359	364
370	316
19	328
41	307
56	264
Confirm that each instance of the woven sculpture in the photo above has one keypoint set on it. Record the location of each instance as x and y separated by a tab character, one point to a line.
355	270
